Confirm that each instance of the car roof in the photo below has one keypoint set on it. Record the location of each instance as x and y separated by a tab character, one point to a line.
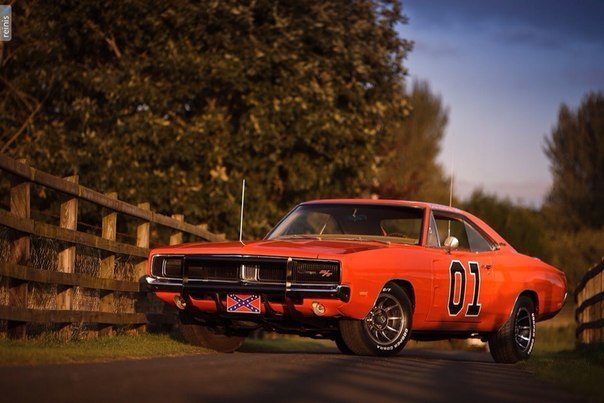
417	204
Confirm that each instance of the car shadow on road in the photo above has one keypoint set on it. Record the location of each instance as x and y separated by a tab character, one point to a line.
326	347
415	375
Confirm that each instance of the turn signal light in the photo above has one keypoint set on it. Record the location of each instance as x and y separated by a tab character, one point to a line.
318	308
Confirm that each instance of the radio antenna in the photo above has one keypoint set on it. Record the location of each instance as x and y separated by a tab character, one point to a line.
451	192
450	204
241	218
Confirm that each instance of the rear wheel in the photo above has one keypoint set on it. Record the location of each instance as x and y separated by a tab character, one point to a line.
198	334
385	330
515	340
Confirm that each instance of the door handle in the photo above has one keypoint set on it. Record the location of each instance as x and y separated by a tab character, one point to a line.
487	266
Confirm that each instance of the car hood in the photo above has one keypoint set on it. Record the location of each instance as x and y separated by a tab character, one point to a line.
299	247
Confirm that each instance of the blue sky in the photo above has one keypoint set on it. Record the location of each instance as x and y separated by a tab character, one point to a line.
503	68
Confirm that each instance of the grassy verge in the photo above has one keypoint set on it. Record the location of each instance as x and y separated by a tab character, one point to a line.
580	370
109	348
556	359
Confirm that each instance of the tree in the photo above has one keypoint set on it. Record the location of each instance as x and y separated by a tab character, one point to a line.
409	169
576	153
175	105
521	226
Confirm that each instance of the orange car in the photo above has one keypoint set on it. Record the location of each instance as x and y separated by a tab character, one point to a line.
368	274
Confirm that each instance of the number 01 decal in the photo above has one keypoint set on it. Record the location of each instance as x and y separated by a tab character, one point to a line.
457	288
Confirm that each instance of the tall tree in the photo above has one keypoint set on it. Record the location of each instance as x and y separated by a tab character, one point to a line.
175	104
521	226
408	168
576	153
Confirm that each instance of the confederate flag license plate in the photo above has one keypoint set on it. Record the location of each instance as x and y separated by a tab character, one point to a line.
242	303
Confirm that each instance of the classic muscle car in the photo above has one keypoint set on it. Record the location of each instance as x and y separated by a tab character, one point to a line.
368	274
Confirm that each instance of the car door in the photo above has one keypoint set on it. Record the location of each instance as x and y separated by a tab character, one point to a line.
460	275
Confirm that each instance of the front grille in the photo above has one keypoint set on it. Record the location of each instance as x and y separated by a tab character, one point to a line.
246	268
236	268
212	270
272	272
320	272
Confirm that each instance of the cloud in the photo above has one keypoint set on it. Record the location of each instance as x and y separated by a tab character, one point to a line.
591	77
436	50
543	22
531	37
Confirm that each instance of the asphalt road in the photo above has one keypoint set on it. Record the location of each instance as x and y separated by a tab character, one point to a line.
414	376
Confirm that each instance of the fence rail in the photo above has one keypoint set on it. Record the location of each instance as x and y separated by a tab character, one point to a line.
77	279
589	298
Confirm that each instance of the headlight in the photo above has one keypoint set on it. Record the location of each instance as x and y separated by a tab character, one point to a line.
167	266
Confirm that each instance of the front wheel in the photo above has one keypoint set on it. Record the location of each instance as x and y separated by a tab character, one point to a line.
198	334
385	330
515	340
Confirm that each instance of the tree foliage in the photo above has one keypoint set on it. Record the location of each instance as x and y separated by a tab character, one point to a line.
576	153
409	169
575	204
176	103
521	226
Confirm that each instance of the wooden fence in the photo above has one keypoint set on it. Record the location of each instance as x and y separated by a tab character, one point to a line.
61	276
589	298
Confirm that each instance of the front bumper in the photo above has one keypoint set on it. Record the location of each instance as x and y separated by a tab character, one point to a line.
287	290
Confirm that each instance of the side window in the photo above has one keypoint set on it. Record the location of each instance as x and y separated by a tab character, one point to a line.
469	238
433	238
478	243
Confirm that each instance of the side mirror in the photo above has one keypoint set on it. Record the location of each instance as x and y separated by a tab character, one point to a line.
451	243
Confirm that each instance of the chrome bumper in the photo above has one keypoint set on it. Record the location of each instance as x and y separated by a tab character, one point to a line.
341	292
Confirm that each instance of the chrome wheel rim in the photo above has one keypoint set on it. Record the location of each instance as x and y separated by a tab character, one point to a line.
523	329
386	321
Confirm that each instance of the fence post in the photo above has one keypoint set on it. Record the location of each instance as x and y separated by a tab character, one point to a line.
20	205
67	257
109	231
601	303
142	241
176	237
581	315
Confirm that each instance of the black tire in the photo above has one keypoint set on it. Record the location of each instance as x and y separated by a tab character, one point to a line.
344	349
385	330
198	334
515	340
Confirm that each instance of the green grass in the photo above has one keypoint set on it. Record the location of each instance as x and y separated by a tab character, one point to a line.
557	359
34	352
580	370
554	339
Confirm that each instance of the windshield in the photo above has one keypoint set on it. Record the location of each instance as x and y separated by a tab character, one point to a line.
401	224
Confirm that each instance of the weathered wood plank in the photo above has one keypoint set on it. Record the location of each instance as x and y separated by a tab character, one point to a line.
176	237
109	232
24	273
20	206
589	299
67	256
62	316
73	189
66	235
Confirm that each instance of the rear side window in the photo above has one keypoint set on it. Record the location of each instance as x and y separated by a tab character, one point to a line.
470	238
